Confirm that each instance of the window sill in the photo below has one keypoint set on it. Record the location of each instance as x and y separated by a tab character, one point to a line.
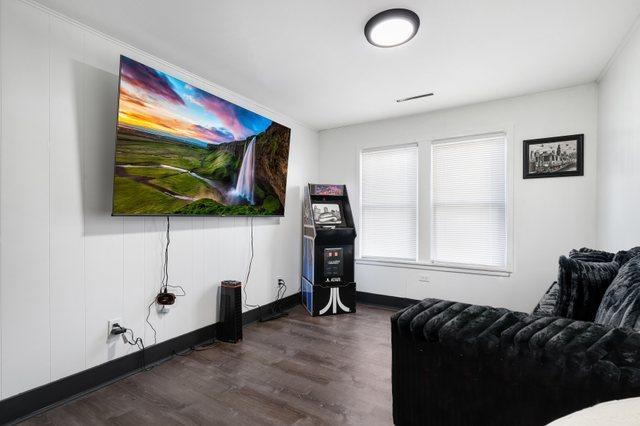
458	269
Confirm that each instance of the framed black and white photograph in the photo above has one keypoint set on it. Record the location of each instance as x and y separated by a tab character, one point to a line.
553	157
327	213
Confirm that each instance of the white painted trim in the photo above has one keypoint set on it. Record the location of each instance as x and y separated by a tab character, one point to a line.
512	158
357	248
2	12
388	147
221	91
443	267
469	138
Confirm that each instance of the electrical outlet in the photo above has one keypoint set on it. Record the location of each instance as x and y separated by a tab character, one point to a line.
111	323
424	279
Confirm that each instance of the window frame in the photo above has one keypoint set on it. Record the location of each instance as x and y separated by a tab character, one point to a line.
462	139
361	151
424	202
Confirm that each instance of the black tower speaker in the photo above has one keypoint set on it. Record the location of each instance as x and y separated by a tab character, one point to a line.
231	311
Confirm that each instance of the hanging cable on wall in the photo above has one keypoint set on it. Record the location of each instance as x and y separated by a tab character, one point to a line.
276	310
248	275
164	297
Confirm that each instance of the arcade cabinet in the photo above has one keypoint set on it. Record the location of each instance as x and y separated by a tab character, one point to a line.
327	251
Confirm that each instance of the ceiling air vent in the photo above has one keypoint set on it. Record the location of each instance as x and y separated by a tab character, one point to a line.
410	98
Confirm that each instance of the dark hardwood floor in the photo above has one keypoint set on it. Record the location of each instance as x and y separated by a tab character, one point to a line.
296	370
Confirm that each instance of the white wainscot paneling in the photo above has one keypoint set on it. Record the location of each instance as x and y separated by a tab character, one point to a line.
104	240
67	266
24	202
66	213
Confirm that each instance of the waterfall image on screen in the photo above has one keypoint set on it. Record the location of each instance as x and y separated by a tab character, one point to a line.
183	151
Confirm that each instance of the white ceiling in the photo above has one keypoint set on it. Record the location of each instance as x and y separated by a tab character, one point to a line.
310	60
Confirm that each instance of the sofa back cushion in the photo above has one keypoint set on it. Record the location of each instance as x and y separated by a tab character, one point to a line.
624	256
548	304
582	286
591	255
620	305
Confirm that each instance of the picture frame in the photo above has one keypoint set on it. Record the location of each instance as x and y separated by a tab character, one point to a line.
557	156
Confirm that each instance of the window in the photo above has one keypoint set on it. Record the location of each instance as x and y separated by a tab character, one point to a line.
389	208
468	201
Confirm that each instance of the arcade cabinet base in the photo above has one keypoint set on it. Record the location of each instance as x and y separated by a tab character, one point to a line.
320	300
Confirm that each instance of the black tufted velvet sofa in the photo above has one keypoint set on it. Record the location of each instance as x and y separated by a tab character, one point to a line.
460	364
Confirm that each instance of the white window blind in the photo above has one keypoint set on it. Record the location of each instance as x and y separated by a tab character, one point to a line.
389	203
468	217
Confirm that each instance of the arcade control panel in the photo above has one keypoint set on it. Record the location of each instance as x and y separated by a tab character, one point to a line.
333	266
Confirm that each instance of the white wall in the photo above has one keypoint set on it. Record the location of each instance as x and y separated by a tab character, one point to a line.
619	151
551	216
66	265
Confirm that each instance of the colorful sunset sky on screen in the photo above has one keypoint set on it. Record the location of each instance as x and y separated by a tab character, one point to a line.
153	101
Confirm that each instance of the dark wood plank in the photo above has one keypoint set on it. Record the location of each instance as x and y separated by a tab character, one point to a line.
297	370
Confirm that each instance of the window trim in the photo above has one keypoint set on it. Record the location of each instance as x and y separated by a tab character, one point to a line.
424	203
361	151
432	266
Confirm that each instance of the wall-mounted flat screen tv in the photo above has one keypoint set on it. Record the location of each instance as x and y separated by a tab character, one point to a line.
183	151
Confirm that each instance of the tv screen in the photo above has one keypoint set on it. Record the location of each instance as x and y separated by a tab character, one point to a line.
183	151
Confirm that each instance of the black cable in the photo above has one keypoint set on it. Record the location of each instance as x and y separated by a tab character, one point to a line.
135	341
186	352
246	281
205	346
164	286
198	348
282	289
139	343
155	333
164	281
165	277
276	308
179	287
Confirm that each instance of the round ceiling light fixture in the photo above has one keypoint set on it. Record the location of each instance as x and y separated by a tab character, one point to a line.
392	27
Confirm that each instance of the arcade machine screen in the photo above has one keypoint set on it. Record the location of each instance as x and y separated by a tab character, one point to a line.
327	214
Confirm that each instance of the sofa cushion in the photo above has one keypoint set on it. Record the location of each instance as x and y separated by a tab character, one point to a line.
582	286
591	255
547	304
624	256
620	305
